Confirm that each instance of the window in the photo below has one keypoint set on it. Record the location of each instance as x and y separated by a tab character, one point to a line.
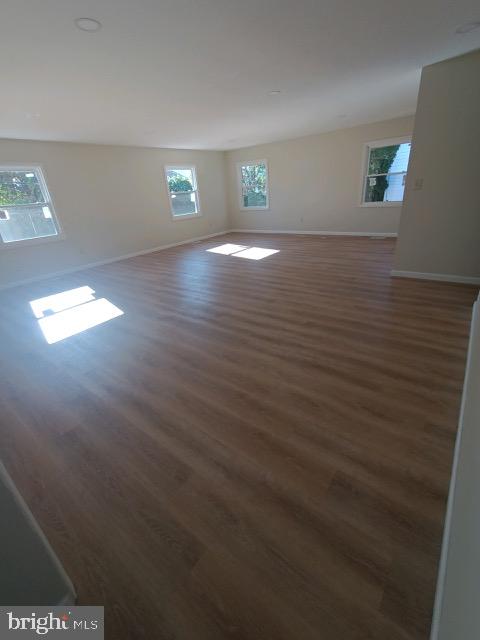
26	210
385	172
183	191
253	184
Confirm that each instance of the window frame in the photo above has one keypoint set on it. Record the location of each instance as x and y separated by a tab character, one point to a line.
247	163
193	168
39	171
375	144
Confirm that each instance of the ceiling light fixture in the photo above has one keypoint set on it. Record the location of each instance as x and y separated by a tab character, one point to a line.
467	27
274	92
88	24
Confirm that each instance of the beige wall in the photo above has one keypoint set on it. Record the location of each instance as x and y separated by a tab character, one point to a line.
315	182
110	201
440	225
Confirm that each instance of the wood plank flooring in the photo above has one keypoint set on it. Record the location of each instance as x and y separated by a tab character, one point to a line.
254	450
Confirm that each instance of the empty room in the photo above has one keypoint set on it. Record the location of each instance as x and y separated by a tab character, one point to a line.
239	319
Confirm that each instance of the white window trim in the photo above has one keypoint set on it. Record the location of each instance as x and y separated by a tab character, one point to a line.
41	176
239	185
186	216
366	153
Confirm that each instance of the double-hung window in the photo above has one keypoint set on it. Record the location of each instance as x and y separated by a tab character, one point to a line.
253	184
386	164
182	191
26	210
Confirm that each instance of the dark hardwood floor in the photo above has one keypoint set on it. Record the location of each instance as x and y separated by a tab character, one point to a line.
255	450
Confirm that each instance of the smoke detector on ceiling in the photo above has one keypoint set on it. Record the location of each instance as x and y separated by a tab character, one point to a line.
88	24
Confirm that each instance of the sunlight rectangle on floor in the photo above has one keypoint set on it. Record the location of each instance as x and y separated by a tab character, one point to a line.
241	251
227	249
255	253
61	301
77	319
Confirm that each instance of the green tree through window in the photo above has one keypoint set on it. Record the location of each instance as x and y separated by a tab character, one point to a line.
19	187
183	190
254	185
380	161
177	183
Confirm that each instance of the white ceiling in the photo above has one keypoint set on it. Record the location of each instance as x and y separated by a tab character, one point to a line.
197	73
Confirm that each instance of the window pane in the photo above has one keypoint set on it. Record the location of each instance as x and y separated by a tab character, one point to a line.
254	199
396	187
387	188
184	203
400	162
389	159
180	180
381	159
254	185
19	187
25	223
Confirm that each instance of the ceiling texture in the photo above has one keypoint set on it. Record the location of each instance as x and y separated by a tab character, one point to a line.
198	73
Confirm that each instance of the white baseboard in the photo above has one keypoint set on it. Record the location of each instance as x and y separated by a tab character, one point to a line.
443	277
319	233
374	234
90	265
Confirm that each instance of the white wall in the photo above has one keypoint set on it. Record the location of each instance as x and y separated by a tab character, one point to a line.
110	201
440	224
457	614
315	182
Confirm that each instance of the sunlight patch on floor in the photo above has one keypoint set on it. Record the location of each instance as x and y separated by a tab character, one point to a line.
227	249
61	301
240	251
68	313
256	253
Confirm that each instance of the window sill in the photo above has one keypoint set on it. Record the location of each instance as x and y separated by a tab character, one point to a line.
381	204
187	216
31	241
254	208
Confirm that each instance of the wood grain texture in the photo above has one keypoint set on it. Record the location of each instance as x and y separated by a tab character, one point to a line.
255	449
